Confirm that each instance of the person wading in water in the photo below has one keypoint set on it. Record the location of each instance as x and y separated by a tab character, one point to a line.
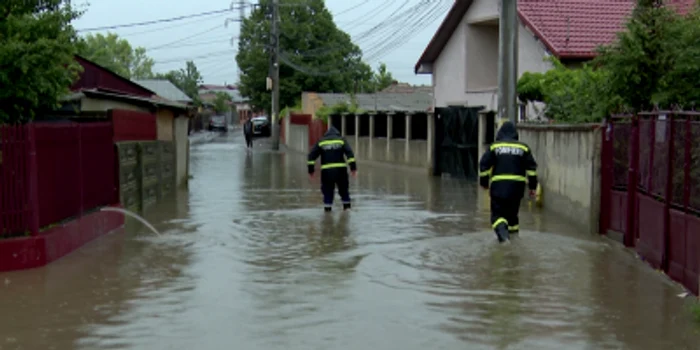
248	133
505	168
333	150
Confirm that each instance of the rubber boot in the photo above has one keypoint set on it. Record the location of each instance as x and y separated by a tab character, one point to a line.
502	233
347	206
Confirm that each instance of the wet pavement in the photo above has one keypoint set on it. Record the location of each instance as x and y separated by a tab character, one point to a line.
248	260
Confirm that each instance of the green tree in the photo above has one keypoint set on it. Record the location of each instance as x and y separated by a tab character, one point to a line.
117	55
315	54
382	79
37	48
653	63
222	102
186	79
642	55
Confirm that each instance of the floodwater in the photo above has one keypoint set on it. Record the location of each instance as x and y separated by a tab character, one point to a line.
248	260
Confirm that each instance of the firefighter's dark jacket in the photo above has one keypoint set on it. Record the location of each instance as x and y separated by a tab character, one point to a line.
508	165
333	149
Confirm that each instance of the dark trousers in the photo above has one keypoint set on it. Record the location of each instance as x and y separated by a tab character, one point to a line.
248	141
504	213
329	180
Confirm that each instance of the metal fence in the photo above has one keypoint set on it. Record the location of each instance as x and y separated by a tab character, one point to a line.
317	127
650	189
51	172
14	180
133	125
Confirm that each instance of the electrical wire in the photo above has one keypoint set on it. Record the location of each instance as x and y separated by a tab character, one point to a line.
220	41
179	25
186	38
392	19
164	20
203	56
351	8
418	20
400	38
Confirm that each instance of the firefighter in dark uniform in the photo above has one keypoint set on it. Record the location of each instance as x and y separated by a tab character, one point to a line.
333	150
505	169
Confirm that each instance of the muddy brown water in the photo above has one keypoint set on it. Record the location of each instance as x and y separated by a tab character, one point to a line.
248	260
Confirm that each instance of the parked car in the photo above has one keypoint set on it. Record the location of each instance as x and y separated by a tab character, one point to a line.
261	126
218	122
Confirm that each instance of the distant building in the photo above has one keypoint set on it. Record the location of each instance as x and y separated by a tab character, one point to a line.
165	89
207	93
408	88
380	102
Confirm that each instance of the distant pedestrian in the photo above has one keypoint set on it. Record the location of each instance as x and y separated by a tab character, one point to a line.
248	133
333	150
505	168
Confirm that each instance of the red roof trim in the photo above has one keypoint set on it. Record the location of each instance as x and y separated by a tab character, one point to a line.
84	61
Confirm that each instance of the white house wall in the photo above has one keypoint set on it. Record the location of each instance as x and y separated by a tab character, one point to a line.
449	70
450	74
483	10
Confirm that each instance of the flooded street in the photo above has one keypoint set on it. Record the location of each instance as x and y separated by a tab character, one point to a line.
248	260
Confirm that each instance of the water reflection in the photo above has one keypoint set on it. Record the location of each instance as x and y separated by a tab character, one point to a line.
248	257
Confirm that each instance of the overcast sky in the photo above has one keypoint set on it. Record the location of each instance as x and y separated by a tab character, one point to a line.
209	38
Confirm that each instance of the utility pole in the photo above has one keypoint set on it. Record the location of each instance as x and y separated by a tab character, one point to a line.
241	13
508	61
275	75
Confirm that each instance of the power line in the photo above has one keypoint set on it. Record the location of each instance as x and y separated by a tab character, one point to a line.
220	41
179	25
380	31
401	37
186	38
164	20
203	56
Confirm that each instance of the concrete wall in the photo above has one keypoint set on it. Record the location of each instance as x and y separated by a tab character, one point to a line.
164	124
181	150
298	139
568	158
146	173
395	151
381	150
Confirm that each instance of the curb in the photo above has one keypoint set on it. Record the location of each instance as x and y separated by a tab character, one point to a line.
208	136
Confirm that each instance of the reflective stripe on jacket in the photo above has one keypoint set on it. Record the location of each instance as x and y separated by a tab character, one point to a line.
333	150
508	165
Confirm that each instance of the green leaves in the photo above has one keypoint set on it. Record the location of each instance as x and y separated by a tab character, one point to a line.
654	63
117	55
187	80
221	102
315	55
37	47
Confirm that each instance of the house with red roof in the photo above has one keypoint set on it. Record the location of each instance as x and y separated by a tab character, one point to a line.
462	56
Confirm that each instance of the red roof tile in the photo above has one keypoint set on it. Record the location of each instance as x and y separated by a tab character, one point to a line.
568	28
574	28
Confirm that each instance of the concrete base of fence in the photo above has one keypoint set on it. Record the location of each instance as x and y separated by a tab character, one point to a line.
568	158
31	252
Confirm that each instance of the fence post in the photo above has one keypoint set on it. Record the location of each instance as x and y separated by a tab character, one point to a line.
81	180
32	180
688	146
669	192
606	177
630	231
